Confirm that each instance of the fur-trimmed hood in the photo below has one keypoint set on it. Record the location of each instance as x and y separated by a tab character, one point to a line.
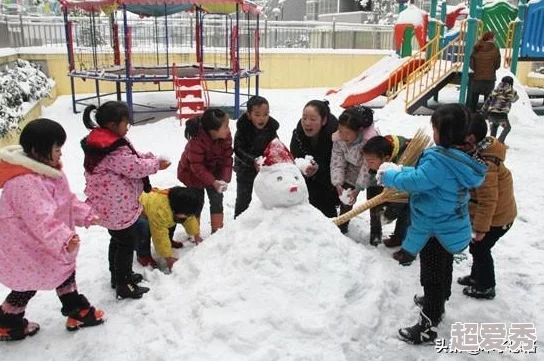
15	162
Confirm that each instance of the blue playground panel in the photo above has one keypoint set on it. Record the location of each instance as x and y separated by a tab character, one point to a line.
451	54
532	41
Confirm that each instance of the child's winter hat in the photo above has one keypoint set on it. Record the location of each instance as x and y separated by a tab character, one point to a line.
276	152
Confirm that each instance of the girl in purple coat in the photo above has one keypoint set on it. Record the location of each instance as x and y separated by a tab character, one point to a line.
38	213
116	174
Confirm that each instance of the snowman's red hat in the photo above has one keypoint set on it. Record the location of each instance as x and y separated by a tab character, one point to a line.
276	152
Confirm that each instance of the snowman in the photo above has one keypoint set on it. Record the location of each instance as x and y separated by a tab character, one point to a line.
279	182
278	283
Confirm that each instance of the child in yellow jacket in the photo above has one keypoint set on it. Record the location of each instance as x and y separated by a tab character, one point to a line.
163	208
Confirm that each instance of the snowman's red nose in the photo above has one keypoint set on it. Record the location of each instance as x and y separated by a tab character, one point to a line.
293	189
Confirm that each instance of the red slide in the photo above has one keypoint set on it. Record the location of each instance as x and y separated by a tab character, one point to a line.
374	81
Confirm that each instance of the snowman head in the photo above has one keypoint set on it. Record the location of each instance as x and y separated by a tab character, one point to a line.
279	182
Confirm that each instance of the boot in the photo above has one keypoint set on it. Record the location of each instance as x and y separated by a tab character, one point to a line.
423	332
130	290
134	278
14	327
83	315
482	294
217	221
392	241
466	281
419	301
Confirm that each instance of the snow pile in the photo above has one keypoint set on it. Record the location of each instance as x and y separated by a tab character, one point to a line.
412	15
23	83
277	284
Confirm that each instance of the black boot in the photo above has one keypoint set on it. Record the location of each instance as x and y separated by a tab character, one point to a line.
423	332
130	290
482	294
466	281
14	327
79	311
134	278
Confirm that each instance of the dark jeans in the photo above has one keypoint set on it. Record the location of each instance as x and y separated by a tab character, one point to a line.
215	198
495	120
400	211
477	87
122	245
143	244
244	191
436	268
483	269
375	212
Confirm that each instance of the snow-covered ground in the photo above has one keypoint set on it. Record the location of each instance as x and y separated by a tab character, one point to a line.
289	286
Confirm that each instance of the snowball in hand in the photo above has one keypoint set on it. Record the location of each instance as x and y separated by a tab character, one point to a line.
305	163
347	197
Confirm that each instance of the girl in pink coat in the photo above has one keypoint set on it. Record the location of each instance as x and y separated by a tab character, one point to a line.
116	174
349	172
38	213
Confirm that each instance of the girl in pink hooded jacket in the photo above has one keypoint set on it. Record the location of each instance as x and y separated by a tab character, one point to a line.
116	174
349	172
38	213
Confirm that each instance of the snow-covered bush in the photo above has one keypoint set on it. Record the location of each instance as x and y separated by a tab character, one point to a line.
22	83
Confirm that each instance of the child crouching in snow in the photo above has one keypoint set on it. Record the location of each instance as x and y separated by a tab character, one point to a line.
349	174
163	208
440	225
38	213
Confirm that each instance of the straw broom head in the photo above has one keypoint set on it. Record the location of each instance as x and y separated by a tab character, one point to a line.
409	157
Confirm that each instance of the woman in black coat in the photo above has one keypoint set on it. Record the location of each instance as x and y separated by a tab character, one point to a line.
313	136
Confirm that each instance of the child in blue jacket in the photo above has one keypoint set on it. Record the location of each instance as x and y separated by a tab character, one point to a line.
440	224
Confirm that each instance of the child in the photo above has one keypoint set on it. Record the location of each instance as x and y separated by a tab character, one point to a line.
39	244
206	162
440	224
492	211
254	130
313	137
348	171
497	106
389	149
115	175
163	208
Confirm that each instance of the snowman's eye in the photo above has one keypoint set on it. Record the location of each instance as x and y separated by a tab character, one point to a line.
279	179
296	177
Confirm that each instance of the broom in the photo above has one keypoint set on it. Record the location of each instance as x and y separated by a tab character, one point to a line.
409	157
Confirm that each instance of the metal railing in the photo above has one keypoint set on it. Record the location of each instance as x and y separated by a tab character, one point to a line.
21	31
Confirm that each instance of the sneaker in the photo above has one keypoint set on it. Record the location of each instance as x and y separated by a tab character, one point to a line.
85	317
422	332
130	290
375	238
19	333
419	302
134	278
482	294
466	281
147	261
175	244
392	241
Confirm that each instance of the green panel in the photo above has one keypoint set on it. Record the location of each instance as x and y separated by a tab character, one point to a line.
496	18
